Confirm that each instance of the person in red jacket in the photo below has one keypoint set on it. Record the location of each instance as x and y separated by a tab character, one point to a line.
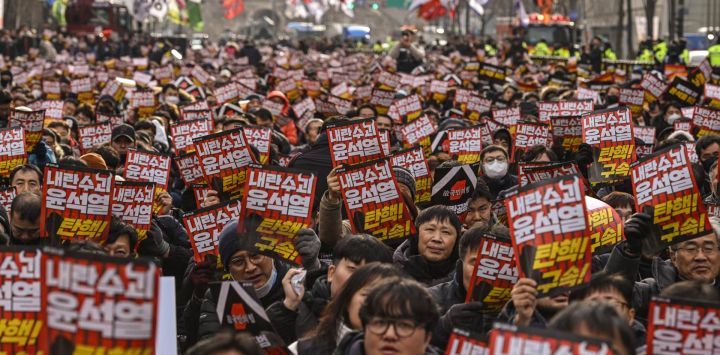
285	122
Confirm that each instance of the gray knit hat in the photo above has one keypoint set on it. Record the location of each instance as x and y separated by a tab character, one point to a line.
405	177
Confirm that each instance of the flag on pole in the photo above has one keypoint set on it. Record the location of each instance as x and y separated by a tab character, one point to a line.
520	13
194	13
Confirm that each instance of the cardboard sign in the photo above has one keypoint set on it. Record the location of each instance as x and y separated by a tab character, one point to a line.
414	160
204	226
509	339
144	101
12	150
408	109
567	132
494	274
418	130
76	203
224	157
382	99
464	342
712	95
259	137
354	142
92	136
114	302
149	167
465	144
276	205
605	226
707	120
682	326
665	188
183	133
189	167
453	187
610	134
373	202
132	203
549	109
32	122
632	98
654	87
548	225
190	115
21	304
528	135
684	92
506	116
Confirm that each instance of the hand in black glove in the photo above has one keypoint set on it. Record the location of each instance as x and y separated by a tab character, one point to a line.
465	315
202	275
307	244
637	228
584	156
154	245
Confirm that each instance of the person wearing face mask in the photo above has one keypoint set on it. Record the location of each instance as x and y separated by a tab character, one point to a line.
170	94
5	107
612	99
6	79
707	149
713	199
494	160
671	113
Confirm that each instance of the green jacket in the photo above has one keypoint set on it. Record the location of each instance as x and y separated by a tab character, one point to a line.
714	55
660	50
609	54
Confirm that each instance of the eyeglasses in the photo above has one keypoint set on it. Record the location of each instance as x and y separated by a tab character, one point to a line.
403	327
693	250
241	261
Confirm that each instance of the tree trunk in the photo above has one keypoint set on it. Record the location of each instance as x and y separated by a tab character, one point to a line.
619	32
630	42
649	15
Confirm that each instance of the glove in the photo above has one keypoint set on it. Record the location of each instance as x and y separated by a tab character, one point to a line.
307	244
154	245
202	275
464	315
584	156
636	229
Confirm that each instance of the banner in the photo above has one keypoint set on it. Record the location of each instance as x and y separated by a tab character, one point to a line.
276	205
414	161
465	144
20	300
567	132
259	137
682	326
149	167
465	342
238	309
509	339
548	109
665	188
548	225
224	157
32	122
453	186
372	200
132	203
99	304
528	135
12	150
183	133
610	134
354	142
494	274
6	198
76	203
204	226
95	135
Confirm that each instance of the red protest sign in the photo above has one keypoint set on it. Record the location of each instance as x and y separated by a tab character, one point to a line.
94	135
6	198
476	105
132	203
712	94
610	134
149	167
32	122
224	157
528	134
465	144
604	225
567	131
506	116
12	150
144	101
549	109
707	120
531	173
373	202
382	99
632	98
114	120
189	115
204	227
548	225
654	87
189	167
100	303
406	109
509	339
76	203
199	105
21	304
494	273
414	161
665	188
183	133
464	342
354	142
259	137
226	93
682	326
279	202
417	130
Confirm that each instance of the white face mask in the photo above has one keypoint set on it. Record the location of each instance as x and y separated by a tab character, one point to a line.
496	169
672	118
36	94
172	100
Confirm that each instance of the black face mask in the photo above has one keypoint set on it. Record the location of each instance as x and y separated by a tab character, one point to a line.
707	164
612	99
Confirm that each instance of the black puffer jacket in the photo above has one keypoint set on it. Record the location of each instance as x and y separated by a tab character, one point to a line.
423	271
319	162
451	292
292	325
508	181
